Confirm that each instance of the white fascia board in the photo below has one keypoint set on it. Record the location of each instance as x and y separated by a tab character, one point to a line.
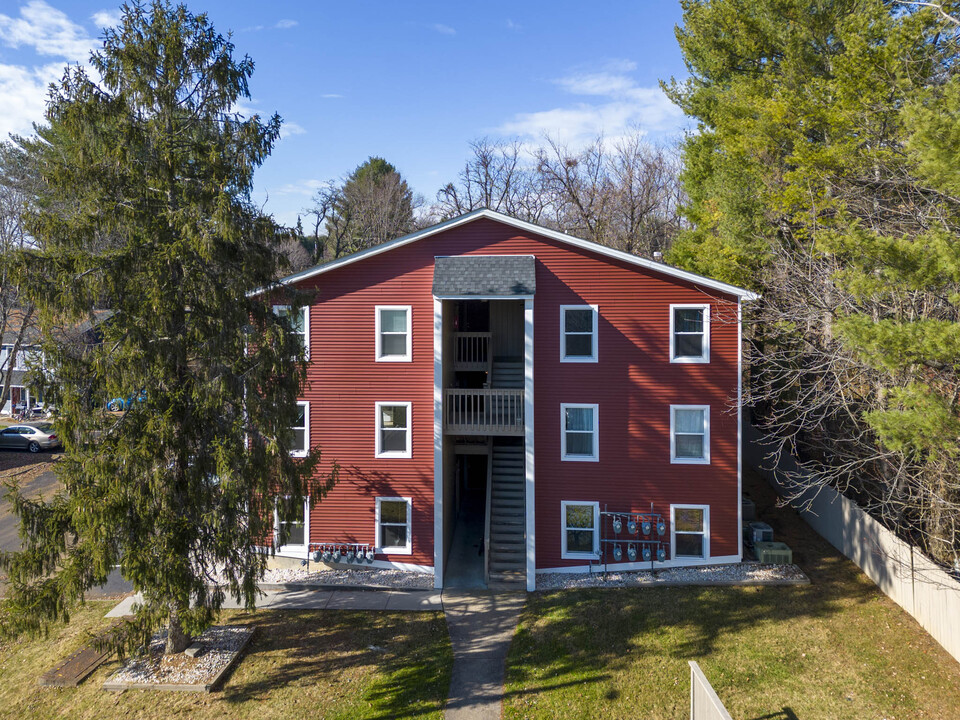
745	295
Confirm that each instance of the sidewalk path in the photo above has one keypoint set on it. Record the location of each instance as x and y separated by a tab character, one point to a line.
325	599
481	626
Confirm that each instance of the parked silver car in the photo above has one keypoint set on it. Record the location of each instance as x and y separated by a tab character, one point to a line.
33	437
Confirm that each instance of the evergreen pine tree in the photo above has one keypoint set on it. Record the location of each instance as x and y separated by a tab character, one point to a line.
146	212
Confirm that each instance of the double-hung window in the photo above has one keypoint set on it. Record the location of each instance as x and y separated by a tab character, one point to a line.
579	437
393	430
291	522
393	525
299	319
394	342
578	333
690	333
300	445
690	531
581	536
690	434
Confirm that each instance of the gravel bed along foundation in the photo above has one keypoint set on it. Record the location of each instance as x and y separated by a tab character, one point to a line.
366	577
221	646
736	574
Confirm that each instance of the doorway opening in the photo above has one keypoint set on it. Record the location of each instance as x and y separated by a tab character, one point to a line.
465	563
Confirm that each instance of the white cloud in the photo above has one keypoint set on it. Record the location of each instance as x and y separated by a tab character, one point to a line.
23	94
107	18
617	106
331	96
511	25
303	187
47	30
289	129
443	29
23	88
286	24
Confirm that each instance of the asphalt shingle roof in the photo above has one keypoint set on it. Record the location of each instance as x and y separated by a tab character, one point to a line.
485	276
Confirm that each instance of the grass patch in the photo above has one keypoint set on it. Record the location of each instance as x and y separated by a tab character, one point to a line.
834	650
317	664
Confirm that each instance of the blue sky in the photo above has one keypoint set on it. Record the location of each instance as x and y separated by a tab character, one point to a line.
413	82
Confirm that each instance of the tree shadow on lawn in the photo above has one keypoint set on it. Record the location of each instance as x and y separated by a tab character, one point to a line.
408	655
595	633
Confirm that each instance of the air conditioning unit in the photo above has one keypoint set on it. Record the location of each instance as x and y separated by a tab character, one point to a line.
748	509
757	531
773	553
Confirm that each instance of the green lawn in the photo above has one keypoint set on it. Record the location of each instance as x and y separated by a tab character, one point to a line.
835	649
311	664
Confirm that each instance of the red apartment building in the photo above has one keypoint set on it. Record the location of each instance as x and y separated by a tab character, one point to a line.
504	399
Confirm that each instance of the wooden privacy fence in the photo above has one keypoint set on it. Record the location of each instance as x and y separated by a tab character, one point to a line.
704	703
908	577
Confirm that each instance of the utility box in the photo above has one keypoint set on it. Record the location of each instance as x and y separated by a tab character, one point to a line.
757	532
773	553
748	510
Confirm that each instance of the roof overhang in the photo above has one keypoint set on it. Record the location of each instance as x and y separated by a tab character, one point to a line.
652	265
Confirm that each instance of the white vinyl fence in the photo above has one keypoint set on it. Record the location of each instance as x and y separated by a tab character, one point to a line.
704	703
907	576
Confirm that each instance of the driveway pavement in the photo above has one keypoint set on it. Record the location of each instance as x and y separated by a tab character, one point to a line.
46	484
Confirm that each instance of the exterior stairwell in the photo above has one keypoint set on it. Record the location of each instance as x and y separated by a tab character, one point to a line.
507	373
507	570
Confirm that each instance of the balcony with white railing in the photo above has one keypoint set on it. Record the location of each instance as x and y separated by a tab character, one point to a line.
483	411
472	352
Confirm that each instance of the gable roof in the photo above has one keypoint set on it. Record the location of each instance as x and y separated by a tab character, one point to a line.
745	295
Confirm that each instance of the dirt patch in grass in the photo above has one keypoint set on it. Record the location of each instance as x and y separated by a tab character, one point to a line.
835	649
314	664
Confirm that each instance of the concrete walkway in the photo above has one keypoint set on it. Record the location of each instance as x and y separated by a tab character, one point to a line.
325	599
481	626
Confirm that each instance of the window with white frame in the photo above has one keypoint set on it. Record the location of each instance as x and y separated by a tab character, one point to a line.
581	534
299	319
578	333
393	430
291	520
690	434
394	525
394	342
689	531
300	445
690	333
579	438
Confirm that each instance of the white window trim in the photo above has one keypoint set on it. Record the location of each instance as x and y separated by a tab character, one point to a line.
278	309
563	334
408	355
564	554
408	453
293	550
595	457
306	430
705	357
406	549
705	460
706	531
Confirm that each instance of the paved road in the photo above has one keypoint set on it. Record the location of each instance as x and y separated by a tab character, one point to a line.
47	484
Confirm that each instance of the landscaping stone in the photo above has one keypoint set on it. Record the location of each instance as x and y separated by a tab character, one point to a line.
748	573
155	671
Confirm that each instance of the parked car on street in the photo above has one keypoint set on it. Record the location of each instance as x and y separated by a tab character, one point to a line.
33	437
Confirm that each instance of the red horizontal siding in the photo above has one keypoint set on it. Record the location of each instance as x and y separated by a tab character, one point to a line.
634	384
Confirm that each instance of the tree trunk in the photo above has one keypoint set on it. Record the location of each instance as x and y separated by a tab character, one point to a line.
177	639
